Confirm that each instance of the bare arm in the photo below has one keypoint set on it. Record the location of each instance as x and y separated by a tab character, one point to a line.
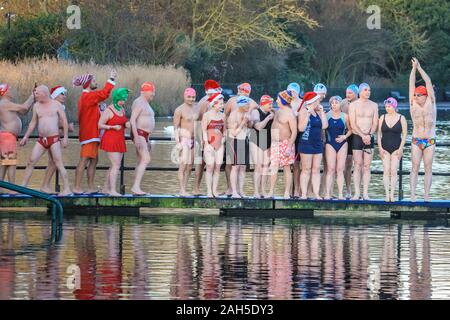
293	127
31	127
428	84
136	111
349	127
352	113
380	134
412	85
404	132
303	118
376	116
228	108
205	121
324	119
64	122
106	116
22	108
236	128
176	124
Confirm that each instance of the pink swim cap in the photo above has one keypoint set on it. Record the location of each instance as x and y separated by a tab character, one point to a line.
391	101
189	92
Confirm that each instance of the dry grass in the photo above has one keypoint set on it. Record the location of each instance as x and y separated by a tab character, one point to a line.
170	81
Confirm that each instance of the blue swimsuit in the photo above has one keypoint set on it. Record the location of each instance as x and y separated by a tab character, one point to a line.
336	128
311	140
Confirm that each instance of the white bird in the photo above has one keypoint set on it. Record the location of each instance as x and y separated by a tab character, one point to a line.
169	130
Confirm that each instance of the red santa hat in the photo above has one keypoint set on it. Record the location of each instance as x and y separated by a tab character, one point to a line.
214	98
309	98
83	80
212	87
4	87
245	88
56	91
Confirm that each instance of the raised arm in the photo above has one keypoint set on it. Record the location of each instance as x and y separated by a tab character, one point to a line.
22	108
412	82
428	83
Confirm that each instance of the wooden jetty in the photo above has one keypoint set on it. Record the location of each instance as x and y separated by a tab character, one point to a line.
248	207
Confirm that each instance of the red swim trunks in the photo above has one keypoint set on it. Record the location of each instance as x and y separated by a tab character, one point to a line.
47	142
8	146
142	133
282	154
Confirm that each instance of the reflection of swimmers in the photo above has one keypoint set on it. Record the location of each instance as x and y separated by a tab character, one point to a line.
352	95
336	146
89	135
59	94
142	125
364	122
214	134
423	113
282	154
184	121
312	121
261	142
113	121
392	131
238	124
47	114
10	128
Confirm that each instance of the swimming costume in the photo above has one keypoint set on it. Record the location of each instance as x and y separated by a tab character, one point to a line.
424	143
89	150
359	145
392	137
8	147
238	152
112	140
336	128
282	154
350	145
189	142
262	138
142	133
47	142
215	133
311	140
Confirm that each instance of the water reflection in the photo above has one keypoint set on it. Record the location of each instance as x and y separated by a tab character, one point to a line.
159	258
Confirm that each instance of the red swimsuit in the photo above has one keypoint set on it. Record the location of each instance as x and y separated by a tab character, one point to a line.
112	140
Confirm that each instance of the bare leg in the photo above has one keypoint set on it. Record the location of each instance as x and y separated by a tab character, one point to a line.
143	157
274	167
92	167
36	154
228	168
387	176
358	159
331	156
315	175
348	175
198	178
209	179
367	174
242	172
287	182
416	158
297	179
11	172
234	181
79	175
395	161
306	162
116	159
57	158
428	158
51	169
324	176
216	178
265	172
340	167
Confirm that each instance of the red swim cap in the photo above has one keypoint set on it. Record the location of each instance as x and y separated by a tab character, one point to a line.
421	90
148	87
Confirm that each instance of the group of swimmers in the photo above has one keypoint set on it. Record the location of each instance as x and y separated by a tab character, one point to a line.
292	132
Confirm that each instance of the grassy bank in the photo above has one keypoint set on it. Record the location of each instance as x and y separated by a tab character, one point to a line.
170	81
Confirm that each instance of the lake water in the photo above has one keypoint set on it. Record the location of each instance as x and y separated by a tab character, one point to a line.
199	255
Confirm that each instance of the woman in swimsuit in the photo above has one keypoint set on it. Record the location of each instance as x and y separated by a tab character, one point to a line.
213	128
392	131
113	121
312	120
336	146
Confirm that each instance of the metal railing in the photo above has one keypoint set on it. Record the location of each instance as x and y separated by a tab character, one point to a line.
123	168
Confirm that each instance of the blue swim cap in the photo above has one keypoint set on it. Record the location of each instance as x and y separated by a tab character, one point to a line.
242	101
354	88
320	89
294	87
363	86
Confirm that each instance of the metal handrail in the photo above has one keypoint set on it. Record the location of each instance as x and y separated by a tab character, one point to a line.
123	168
57	210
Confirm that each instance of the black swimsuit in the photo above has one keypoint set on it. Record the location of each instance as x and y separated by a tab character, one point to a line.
392	137
262	138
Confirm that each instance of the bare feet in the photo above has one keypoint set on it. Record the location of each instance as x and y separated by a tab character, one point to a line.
78	191
268	195
46	190
256	196
317	197
356	197
65	193
387	199
210	195
327	198
287	196
236	196
427	198
138	192
341	197
413	198
114	194
304	198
